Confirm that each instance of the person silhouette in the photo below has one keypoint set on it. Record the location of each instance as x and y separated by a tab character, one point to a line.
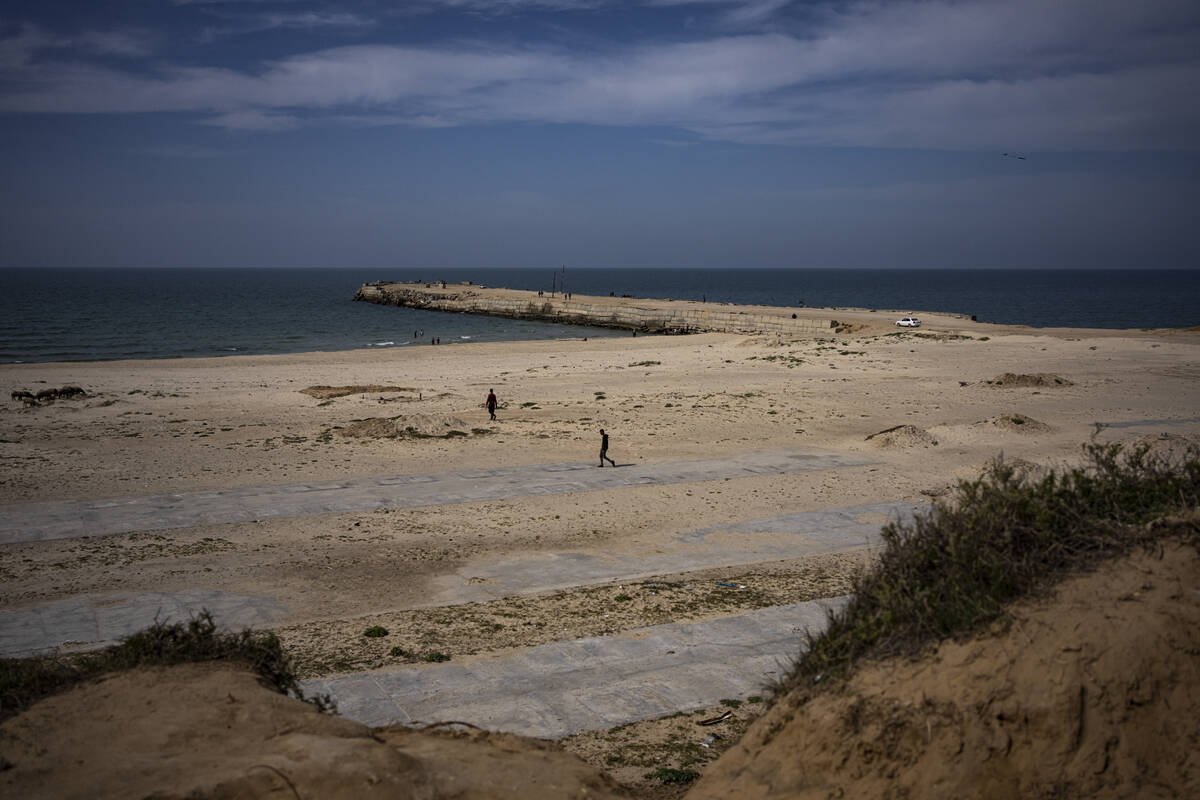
491	402
604	449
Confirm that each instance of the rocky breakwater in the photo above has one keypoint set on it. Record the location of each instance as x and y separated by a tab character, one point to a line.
646	315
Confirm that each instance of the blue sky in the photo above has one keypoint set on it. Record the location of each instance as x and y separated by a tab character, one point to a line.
622	133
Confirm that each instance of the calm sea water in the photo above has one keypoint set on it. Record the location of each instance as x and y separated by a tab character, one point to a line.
91	314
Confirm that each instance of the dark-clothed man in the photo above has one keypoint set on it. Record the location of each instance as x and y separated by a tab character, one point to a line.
604	449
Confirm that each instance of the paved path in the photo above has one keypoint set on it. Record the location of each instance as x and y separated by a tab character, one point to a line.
88	622
73	519
557	689
790	536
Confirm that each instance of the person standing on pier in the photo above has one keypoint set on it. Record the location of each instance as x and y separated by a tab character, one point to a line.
604	449
491	402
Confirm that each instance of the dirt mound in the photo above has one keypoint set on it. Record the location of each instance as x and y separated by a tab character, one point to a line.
330	392
1010	380
1092	693
902	436
415	426
1169	446
212	730
1017	422
1027	468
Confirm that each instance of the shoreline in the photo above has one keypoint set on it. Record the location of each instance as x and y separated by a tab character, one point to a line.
862	321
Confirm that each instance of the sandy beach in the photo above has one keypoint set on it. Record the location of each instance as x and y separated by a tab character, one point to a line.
905	413
921	409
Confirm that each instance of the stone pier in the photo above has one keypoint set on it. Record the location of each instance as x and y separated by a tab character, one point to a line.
646	315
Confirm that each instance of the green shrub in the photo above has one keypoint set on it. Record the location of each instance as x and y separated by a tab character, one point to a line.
1001	537
669	775
24	681
375	632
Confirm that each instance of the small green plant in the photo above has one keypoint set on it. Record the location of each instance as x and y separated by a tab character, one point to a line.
754	699
622	598
399	652
436	657
375	632
669	775
645	364
1002	536
728	703
24	681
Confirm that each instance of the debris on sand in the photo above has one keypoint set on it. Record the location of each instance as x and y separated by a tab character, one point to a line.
47	396
1012	380
415	426
330	392
1018	422
902	436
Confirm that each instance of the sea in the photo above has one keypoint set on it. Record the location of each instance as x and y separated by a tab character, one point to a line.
105	314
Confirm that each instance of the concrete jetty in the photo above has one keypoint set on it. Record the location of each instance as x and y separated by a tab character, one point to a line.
628	313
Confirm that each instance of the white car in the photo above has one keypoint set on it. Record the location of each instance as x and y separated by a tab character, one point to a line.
909	322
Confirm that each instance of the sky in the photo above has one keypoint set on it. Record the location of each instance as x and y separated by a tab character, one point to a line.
600	133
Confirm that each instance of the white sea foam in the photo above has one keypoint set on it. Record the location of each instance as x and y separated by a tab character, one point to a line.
380	344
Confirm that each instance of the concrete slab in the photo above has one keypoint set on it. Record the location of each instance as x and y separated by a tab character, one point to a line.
775	539
75	519
87	622
558	689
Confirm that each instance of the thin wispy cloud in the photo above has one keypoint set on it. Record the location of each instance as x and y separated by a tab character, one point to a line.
245	23
1074	74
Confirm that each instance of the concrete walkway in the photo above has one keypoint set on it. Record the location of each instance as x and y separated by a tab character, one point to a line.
790	536
89	622
557	689
74	519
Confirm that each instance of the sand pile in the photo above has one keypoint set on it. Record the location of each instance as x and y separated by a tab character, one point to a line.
1094	693
212	730
1011	380
902	437
415	426
330	392
1018	423
1170	446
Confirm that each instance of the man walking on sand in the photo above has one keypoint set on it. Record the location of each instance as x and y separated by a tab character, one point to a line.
491	402
604	449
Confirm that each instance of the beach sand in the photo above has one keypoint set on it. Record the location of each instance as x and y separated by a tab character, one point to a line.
921	409
924	408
